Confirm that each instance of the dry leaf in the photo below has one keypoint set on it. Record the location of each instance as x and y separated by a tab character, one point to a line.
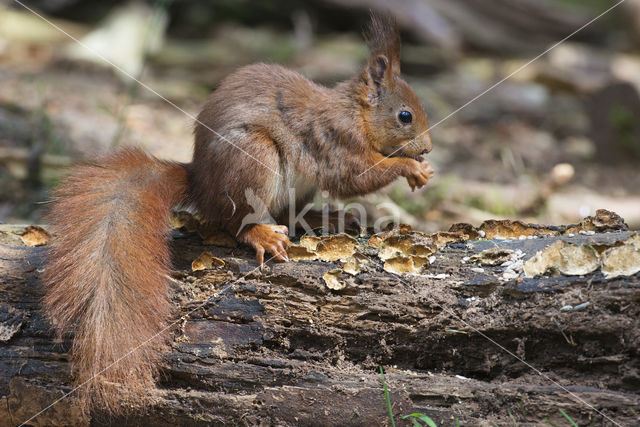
493	256
605	220
338	247
376	240
622	260
310	242
513	229
569	259
332	281
578	260
35	236
407	245
634	240
206	260
466	229
355	264
601	222
543	260
399	230
443	238
405	264
300	253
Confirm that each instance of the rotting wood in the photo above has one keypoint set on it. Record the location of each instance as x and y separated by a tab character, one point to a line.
277	347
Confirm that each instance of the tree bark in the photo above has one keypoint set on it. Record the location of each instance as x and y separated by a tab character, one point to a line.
277	347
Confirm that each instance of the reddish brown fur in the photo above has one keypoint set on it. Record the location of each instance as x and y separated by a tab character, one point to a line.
333	139
106	273
106	276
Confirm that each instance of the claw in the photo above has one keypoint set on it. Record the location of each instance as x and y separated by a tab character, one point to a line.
260	255
269	238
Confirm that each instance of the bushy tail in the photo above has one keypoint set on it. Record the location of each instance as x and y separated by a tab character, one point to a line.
106	274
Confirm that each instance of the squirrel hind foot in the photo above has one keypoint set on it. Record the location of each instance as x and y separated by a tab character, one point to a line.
268	238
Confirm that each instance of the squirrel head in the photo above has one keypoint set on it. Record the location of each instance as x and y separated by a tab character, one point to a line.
394	120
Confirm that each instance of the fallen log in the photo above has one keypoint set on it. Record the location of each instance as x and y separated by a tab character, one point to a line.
460	337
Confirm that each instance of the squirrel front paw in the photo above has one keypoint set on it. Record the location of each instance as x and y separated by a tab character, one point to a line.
270	238
418	173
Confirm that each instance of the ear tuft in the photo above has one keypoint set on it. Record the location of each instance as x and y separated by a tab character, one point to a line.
383	38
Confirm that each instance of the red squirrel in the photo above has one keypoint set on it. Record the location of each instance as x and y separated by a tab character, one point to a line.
265	129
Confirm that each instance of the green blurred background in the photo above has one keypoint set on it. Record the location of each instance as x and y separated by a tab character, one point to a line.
554	142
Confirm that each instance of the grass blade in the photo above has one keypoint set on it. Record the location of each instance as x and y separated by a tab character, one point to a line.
387	399
573	423
422	417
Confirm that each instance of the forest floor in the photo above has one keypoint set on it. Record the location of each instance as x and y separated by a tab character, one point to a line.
533	148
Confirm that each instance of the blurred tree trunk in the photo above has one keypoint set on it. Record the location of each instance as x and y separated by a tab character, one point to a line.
501	26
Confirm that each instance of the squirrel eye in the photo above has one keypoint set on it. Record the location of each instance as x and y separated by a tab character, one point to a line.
404	116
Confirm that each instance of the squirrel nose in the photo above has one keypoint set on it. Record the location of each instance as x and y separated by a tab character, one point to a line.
426	143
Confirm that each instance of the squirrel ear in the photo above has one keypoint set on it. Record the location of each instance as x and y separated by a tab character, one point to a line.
379	73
